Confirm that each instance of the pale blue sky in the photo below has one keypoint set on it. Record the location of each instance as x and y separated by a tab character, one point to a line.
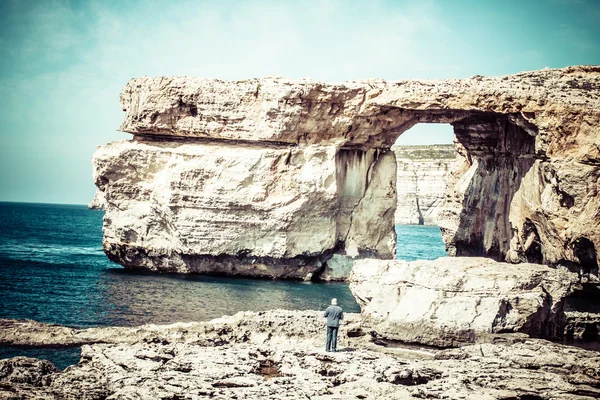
63	63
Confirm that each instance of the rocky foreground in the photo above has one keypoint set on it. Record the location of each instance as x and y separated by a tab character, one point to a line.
279	355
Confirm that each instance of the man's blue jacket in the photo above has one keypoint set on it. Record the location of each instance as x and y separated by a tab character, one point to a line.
334	314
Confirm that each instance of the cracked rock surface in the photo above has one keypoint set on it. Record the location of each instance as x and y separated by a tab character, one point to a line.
183	361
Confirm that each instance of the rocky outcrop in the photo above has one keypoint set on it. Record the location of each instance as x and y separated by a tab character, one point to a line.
274	362
25	371
271	177
423	173
450	301
98	202
218	208
243	326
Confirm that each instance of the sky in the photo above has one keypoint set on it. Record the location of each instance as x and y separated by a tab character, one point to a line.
63	62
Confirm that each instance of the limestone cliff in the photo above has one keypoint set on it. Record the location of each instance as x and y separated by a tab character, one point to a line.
270	177
423	173
240	209
98	202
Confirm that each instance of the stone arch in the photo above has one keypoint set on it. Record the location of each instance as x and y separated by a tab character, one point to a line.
496	151
264	164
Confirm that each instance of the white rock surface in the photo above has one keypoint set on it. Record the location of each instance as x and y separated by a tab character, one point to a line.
238	209
178	206
450	300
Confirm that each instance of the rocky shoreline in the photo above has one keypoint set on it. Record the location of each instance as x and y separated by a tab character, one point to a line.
279	354
451	328
297	180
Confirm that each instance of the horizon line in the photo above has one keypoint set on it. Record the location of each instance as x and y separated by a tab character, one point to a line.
42	202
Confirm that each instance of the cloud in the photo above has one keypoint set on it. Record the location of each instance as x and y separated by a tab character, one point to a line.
326	40
65	61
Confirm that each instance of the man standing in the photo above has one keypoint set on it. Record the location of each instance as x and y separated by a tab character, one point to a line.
334	315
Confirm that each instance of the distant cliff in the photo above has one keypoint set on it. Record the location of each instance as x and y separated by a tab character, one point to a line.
421	182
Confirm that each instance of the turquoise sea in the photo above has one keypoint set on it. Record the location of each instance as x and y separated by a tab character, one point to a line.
53	269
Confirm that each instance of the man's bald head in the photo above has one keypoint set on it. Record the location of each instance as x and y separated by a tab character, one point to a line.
334	302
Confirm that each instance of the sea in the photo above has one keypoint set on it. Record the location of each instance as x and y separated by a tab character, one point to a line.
53	269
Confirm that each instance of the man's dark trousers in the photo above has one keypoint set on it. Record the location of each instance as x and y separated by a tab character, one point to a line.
331	343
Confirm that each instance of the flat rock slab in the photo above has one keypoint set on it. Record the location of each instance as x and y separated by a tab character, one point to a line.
454	300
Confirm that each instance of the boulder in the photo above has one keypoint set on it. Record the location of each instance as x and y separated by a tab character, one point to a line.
450	301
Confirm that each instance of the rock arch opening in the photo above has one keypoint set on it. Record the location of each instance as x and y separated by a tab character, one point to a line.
494	154
425	155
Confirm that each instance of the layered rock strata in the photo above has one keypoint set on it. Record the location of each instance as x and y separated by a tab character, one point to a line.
423	173
261	355
271	177
450	301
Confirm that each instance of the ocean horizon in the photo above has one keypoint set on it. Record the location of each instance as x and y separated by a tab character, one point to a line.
53	269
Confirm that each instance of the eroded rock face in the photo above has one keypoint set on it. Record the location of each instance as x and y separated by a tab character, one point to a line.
270	177
241	209
450	301
25	370
218	208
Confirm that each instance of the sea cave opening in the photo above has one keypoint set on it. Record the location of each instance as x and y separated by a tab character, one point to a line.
425	155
